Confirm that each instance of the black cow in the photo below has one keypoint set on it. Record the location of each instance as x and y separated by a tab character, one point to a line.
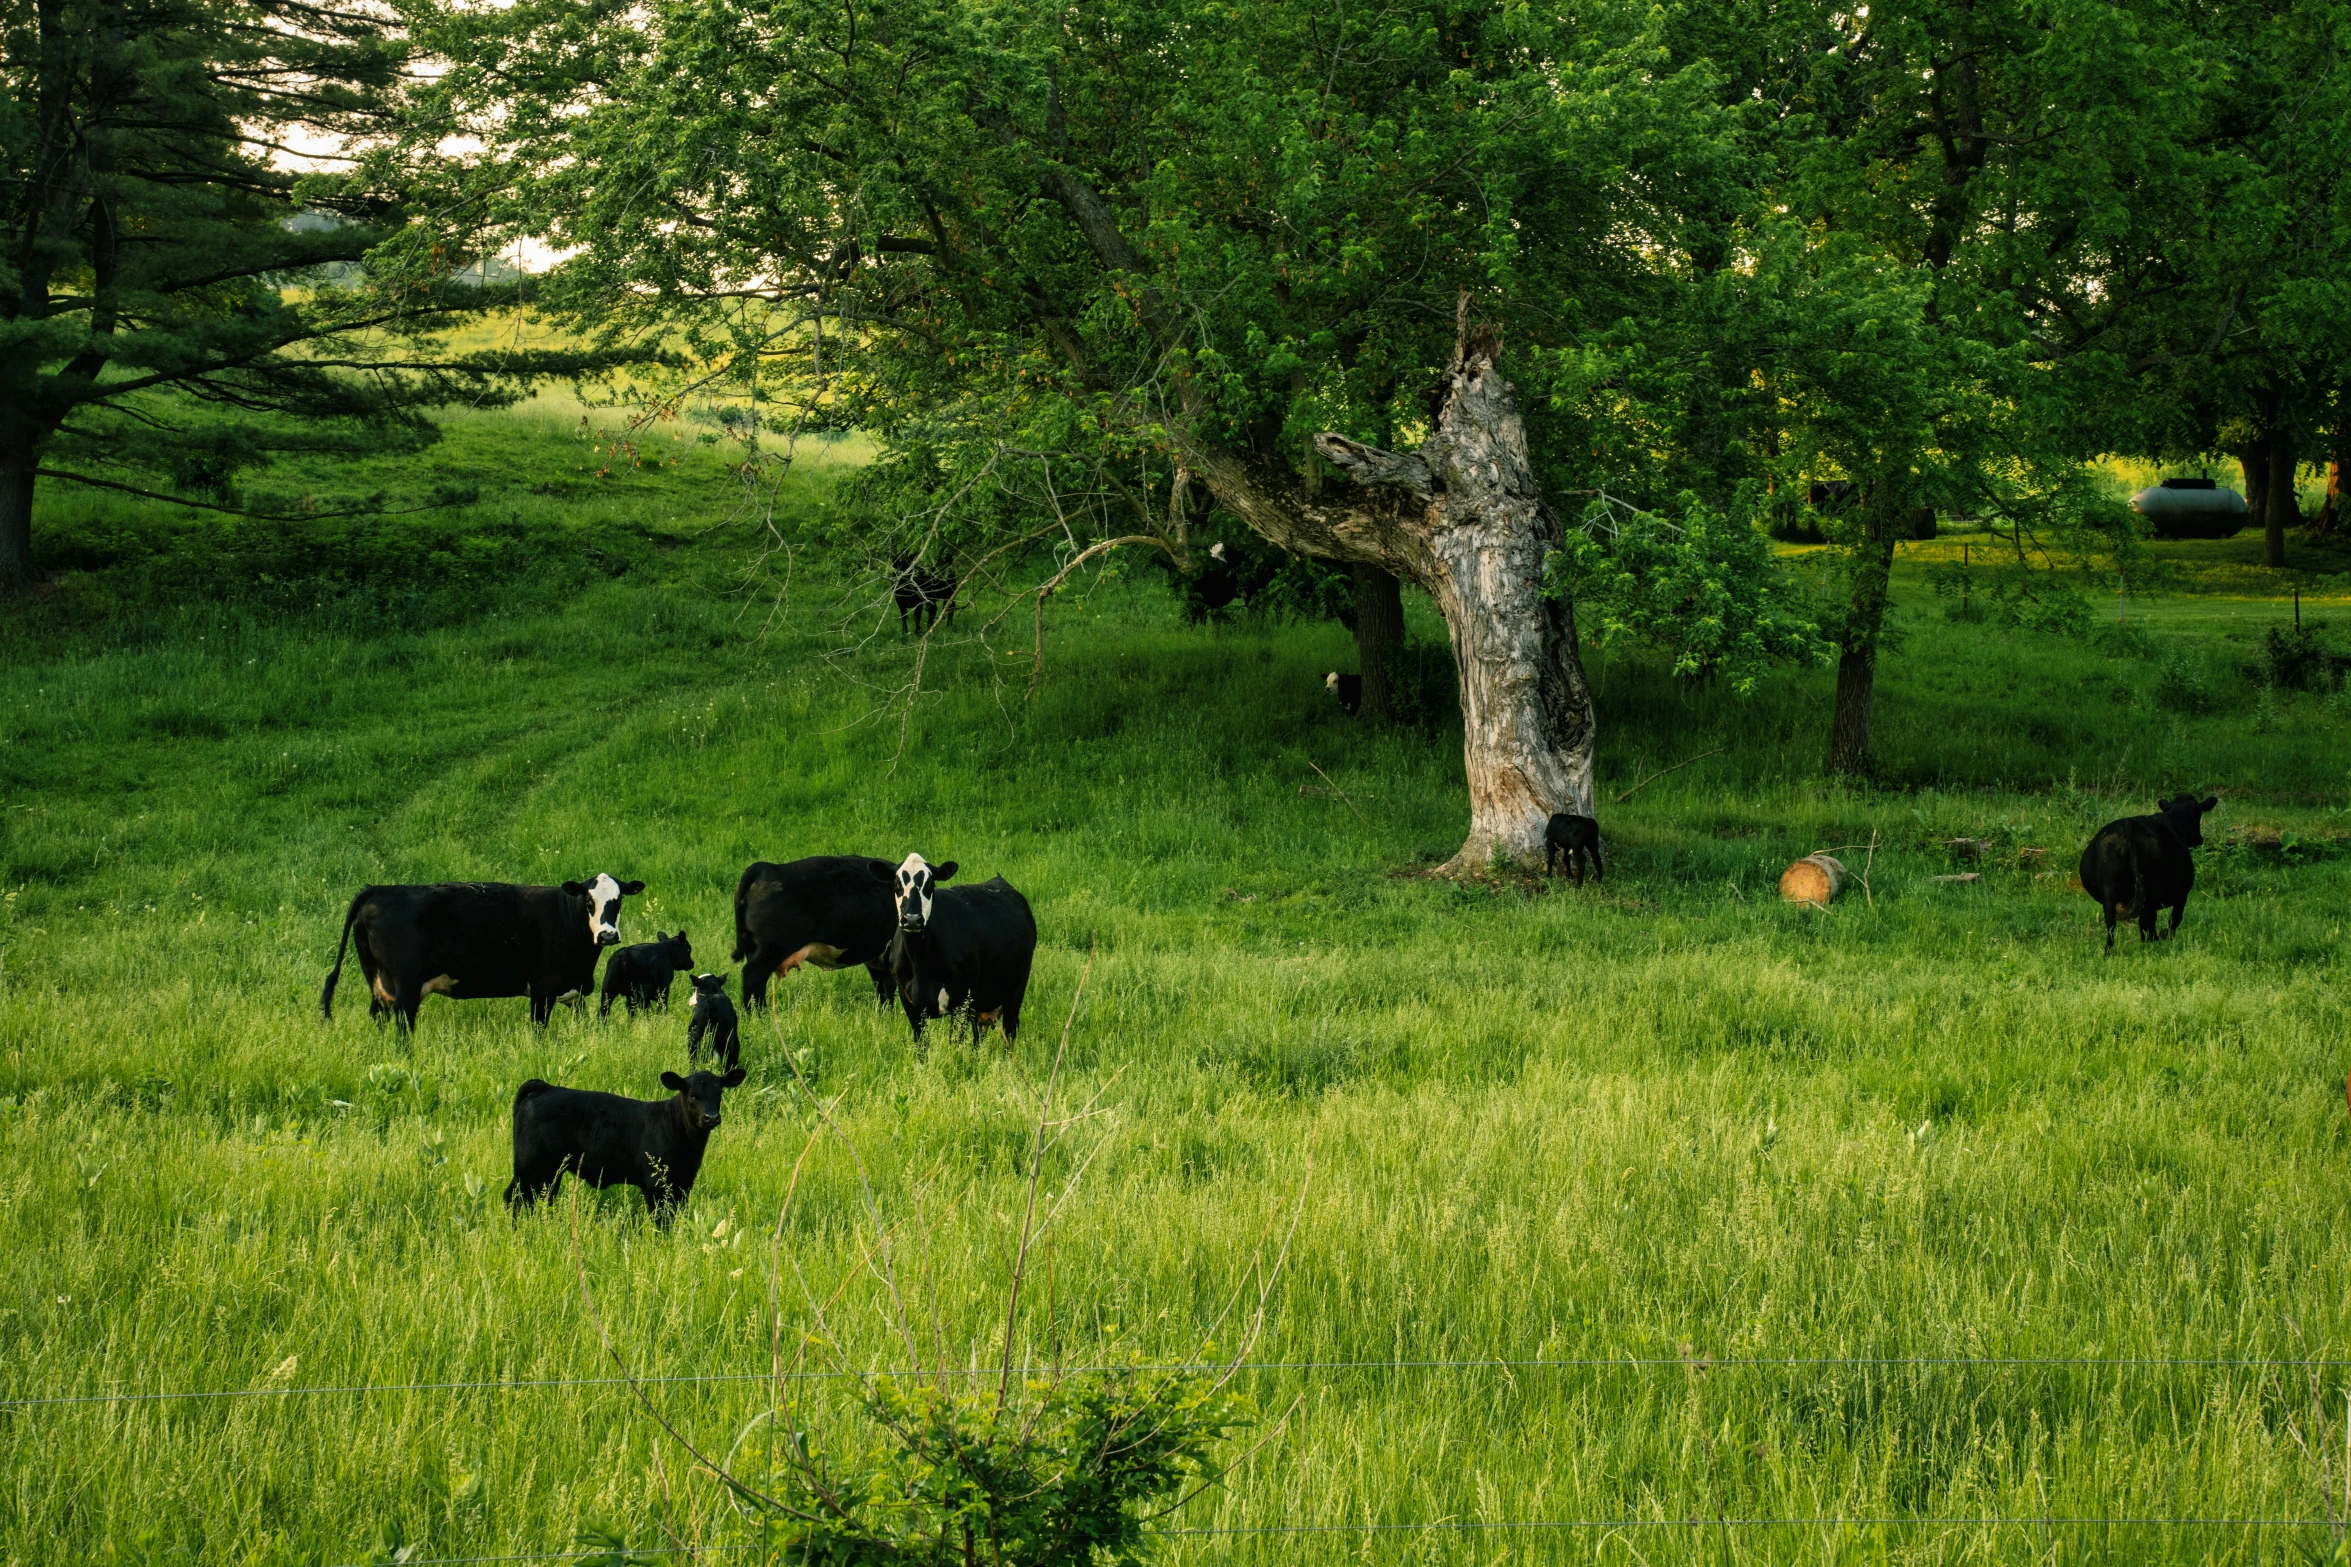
831	910
475	939
1577	837
917	590
961	950
714	1018
655	1145
641	975
1347	688
2140	864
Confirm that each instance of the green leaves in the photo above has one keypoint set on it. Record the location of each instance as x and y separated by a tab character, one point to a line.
1703	587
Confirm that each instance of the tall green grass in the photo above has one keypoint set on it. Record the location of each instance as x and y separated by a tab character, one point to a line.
1668	1132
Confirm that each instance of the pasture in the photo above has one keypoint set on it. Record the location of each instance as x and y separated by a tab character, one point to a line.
1661	1203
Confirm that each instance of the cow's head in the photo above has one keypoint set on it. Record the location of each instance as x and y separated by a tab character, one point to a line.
2185	813
603	895
699	1095
711	984
916	877
681	951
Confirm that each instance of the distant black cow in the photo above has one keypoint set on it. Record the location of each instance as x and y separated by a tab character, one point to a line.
641	975
475	939
960	950
655	1145
918	591
1830	494
1347	688
714	1019
831	910
2140	864
1578	838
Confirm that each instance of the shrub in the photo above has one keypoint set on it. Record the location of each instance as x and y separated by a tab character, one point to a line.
2297	658
2183	685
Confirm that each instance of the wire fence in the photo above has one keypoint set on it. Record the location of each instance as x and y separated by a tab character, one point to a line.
650	1553
1572	1363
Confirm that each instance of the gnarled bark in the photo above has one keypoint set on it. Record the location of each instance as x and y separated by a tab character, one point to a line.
1463	517
1857	657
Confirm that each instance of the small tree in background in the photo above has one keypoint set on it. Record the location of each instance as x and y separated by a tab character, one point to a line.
177	304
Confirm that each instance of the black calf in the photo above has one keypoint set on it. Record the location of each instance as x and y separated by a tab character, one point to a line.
2140	864
1577	837
714	1019
641	975
918	591
607	1140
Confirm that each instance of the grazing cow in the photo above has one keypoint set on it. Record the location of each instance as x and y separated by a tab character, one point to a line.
961	949
831	910
641	975
1577	837
917	590
714	1018
2140	864
655	1145
1347	688
1831	494
474	939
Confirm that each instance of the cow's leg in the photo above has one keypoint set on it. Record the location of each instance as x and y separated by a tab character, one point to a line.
758	969
2112	912
1599	871
604	1007
1575	868
2148	911
2179	911
884	987
542	1007
529	1186
406	998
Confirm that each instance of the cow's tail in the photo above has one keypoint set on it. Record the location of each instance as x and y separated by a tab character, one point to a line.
2139	909
326	996
742	913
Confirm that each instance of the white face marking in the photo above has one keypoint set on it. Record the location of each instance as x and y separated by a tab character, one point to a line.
603	910
942	999
914	893
1216	552
1330	681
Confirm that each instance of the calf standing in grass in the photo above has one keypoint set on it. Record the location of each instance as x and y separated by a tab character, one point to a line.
641	975
2140	864
714	1019
608	1140
1577	837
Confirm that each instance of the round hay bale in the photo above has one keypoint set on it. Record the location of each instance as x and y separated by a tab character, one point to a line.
1815	879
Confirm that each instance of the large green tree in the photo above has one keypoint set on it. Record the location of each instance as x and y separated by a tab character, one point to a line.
178	300
1267	259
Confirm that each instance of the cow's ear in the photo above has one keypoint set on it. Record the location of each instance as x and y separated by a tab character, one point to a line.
660	934
674	1083
2208	805
576	889
733	1079
942	872
681	933
629	889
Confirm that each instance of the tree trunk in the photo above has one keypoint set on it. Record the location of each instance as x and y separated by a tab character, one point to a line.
2330	514
2253	458
16	526
2284	507
1379	632
1857	661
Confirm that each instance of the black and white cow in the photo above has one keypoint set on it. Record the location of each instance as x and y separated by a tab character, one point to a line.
960	950
2140	864
831	910
470	940
655	1145
641	975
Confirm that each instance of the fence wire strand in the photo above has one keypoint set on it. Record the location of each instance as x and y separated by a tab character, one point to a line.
1585	1363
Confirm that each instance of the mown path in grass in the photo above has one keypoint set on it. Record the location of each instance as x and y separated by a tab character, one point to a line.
1666	1129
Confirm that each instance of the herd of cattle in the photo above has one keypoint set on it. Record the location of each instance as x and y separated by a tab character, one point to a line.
943	952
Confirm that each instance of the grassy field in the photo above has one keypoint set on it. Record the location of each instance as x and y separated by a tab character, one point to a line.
1873	1214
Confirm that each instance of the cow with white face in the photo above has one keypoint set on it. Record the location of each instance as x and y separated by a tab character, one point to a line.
918	881
471	939
960	950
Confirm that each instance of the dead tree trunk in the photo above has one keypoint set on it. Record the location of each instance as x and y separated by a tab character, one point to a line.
1469	524
1379	632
